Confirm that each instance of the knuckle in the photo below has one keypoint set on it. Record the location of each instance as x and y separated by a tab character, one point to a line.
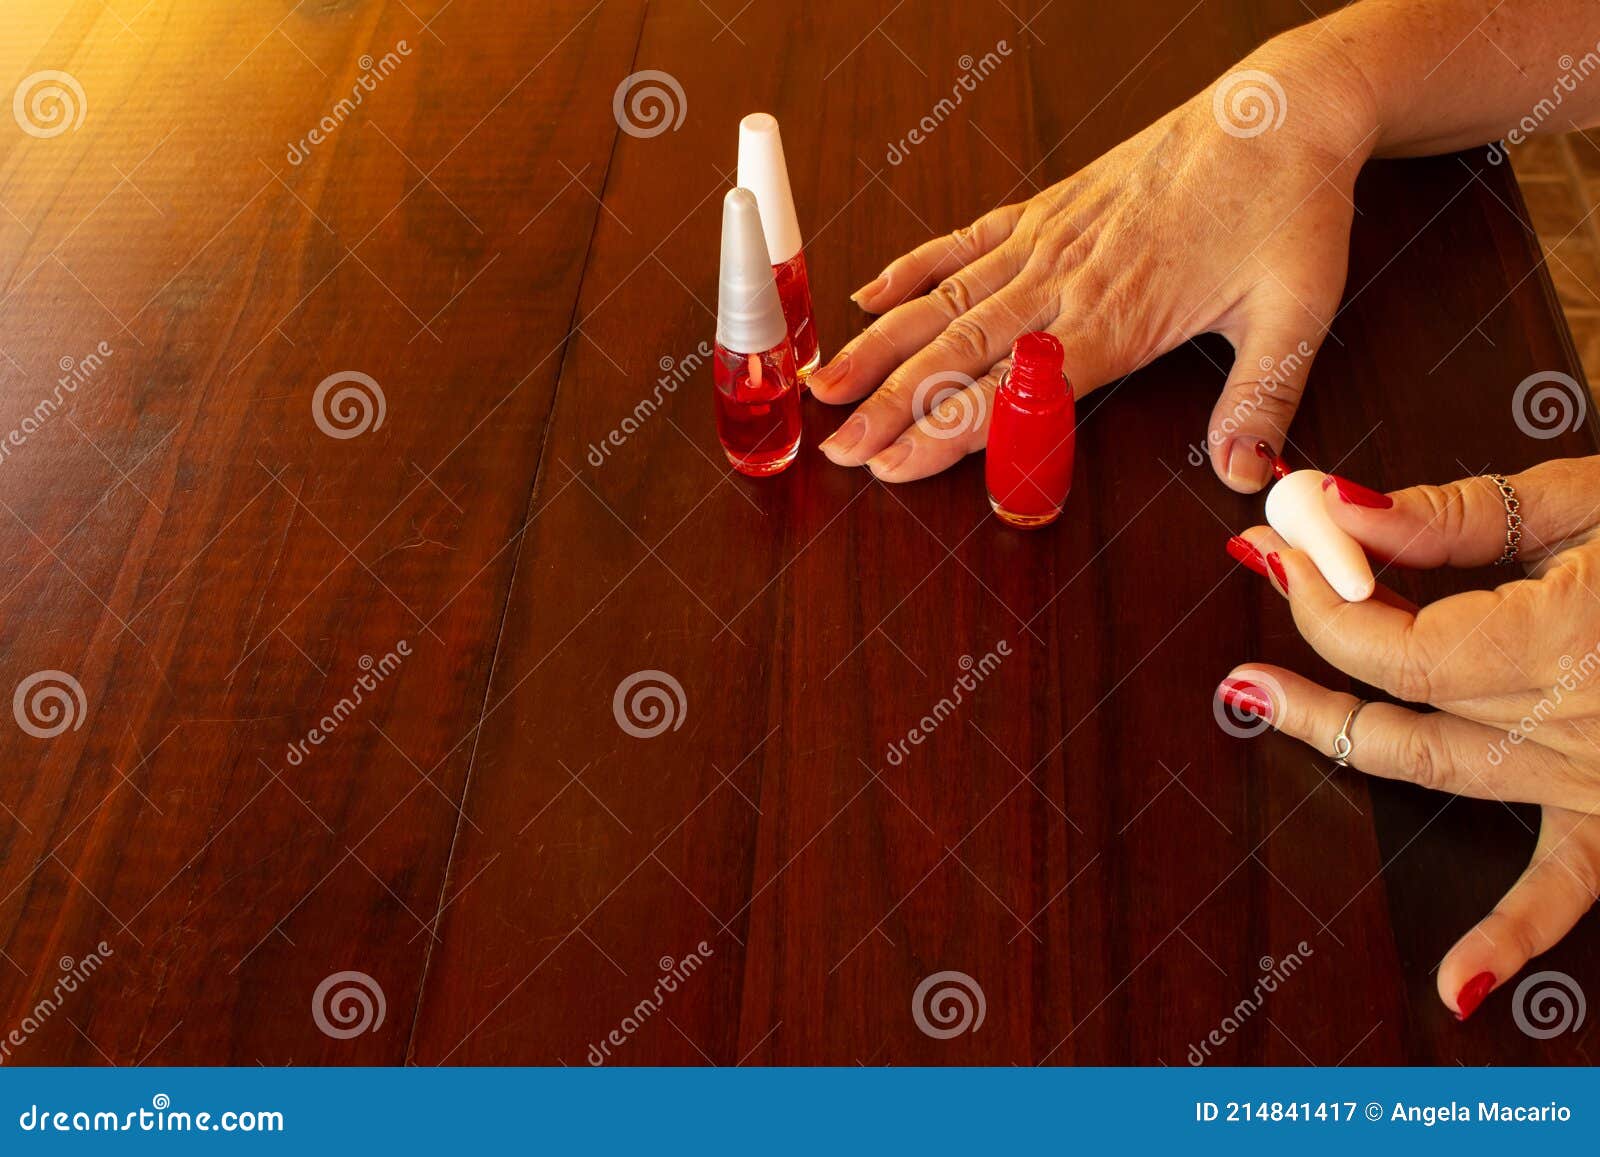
1524	939
968	240
965	339
1447	509
953	297
1409	680
1410	673
1424	760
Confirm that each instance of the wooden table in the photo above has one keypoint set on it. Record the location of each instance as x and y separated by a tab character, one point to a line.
479	836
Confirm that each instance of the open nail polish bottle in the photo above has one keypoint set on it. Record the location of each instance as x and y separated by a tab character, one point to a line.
1028	461
762	170
757	388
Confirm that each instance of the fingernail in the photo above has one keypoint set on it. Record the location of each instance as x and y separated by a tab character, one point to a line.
1472	994
1276	564
832	374
1243	468
870	289
1242	551
886	460
1246	696
1356	494
846	436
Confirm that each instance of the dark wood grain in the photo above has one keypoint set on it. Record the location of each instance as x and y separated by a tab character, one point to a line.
480	836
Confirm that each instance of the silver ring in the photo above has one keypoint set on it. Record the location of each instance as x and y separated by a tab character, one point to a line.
1342	743
1513	505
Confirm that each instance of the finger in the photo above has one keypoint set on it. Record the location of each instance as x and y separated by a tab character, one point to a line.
968	348
1253	546
955	426
1277	343
1464	523
1435	750
1541	907
1468	646
869	357
908	276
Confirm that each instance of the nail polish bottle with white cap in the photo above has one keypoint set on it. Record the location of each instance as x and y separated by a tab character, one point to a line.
762	170
757	386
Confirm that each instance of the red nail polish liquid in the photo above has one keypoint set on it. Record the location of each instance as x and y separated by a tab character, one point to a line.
757	387
758	408
794	290
1028	461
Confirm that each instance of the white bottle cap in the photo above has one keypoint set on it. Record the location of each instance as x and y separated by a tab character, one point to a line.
1296	511
749	312
763	172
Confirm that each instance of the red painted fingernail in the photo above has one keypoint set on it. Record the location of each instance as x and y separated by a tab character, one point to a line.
1356	494
1246	696
1472	994
1280	466
1242	551
1278	572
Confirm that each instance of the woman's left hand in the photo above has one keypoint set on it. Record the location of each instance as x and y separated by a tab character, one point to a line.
1514	673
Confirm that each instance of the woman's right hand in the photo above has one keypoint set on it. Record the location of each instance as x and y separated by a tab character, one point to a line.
1230	215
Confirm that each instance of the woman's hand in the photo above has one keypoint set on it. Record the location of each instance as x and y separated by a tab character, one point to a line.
1217	218
1514	673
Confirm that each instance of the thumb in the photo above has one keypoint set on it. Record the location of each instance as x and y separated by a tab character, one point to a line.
1466	523
1541	907
1274	350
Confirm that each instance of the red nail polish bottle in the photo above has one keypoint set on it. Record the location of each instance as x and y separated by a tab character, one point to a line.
762	170
1028	463
757	390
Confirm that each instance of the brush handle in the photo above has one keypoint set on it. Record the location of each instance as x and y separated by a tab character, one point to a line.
1295	510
